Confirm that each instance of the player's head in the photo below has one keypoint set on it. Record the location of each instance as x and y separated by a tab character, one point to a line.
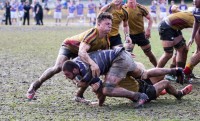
104	22
196	3
70	69
117	2
175	9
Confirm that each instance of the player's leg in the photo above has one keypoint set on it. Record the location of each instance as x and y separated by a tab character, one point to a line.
165	84
180	46
64	55
168	48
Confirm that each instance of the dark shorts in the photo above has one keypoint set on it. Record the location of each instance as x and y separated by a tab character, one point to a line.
66	52
168	33
139	39
115	40
148	88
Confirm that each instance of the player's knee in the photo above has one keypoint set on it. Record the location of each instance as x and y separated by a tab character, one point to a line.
108	89
166	82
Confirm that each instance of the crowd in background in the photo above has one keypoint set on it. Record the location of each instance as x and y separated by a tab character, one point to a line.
17	13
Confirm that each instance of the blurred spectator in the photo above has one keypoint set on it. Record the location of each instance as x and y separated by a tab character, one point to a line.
80	10
183	6
170	7
1	5
8	16
153	10
163	9
27	8
21	11
38	14
92	12
14	11
57	12
71	10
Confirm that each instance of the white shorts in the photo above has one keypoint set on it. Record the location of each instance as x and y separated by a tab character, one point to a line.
21	14
91	15
71	15
154	15
163	15
57	15
13	14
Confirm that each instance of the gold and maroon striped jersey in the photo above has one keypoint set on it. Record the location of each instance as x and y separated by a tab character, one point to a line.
180	20
90	37
135	19
119	15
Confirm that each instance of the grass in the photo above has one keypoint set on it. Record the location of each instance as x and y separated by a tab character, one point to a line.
25	52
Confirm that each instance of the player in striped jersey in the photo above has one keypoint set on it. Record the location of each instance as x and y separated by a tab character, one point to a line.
119	15
88	41
116	65
138	35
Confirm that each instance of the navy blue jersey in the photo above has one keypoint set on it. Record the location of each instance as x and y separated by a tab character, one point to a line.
103	59
196	14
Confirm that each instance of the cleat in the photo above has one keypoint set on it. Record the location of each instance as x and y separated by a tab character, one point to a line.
188	79
163	92
143	98
81	100
170	77
184	91
187	89
31	95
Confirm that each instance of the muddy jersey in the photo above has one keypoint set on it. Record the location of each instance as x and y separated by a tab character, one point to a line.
180	20
196	14
90	37
103	59
118	17
135	19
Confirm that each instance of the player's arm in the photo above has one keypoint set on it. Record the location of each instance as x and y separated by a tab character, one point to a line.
150	22
126	31
104	8
83	48
194	31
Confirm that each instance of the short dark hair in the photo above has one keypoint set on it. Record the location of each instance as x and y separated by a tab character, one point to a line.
104	15
69	66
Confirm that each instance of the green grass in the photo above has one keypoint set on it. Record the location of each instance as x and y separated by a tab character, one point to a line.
25	52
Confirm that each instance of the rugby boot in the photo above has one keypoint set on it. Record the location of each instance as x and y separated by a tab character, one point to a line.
143	98
186	90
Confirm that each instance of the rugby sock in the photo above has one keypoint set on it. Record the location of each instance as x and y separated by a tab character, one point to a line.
179	95
180	64
188	69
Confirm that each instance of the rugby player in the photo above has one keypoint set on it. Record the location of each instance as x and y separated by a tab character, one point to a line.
195	59
172	38
90	40
138	35
116	65
119	15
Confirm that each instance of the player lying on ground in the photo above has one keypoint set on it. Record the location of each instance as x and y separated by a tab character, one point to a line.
115	65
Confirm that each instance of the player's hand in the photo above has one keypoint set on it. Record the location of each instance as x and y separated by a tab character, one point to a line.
95	70
190	43
148	34
128	40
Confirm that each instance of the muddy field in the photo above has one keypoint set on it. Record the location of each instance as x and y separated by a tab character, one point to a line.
25	52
